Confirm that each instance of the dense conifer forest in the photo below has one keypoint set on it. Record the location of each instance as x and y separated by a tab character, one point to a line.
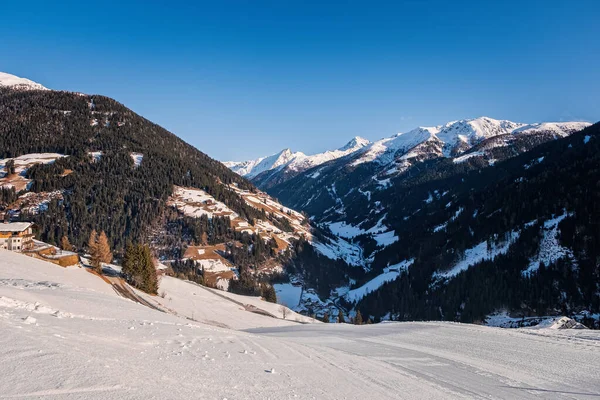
108	193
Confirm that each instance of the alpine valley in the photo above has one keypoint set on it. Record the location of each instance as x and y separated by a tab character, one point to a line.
467	221
456	222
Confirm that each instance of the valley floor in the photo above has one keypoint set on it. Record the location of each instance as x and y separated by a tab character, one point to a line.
66	334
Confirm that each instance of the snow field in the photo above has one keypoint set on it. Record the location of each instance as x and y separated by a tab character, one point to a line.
101	346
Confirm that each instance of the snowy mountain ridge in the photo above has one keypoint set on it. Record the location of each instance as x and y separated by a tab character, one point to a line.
425	142
252	168
294	161
15	82
456	137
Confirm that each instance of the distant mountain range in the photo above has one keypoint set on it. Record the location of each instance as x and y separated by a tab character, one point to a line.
287	164
401	150
440	216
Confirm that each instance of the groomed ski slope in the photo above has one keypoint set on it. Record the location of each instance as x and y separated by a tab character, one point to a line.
65	334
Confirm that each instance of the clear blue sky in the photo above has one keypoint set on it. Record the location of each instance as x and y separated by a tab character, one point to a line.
244	79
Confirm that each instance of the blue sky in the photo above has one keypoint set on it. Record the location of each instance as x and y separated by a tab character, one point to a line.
243	79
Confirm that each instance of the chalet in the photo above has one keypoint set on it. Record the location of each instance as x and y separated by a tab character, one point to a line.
16	236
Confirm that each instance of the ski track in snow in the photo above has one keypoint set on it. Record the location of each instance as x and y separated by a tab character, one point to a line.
108	347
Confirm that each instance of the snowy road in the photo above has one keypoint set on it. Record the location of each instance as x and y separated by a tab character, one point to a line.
65	334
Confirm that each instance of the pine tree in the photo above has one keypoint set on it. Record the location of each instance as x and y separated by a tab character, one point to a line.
150	279
65	244
138	268
93	251
325	317
358	320
104	253
10	167
340	317
269	294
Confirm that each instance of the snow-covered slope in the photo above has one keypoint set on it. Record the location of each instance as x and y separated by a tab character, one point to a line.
458	136
65	334
15	82
293	162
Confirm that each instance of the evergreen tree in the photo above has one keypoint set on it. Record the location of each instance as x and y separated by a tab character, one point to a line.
103	248
325	317
10	167
340	317
358	319
269	294
138	268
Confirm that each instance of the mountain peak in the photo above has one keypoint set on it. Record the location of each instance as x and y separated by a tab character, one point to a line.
356	143
15	82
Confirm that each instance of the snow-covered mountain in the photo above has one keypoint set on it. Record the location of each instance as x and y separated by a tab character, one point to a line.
399	152
252	168
288	164
15	82
456	137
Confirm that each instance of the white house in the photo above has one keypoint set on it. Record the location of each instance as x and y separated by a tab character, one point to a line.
16	236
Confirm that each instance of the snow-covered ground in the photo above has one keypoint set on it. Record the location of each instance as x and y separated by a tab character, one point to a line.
137	158
550	249
22	163
389	274
195	203
65	334
340	249
288	294
486	250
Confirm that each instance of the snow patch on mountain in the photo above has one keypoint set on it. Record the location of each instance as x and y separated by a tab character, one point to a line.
339	248
389	274
137	159
15	82
550	249
195	203
560	129
462	159
486	250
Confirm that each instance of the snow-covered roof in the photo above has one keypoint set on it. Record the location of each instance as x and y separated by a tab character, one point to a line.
14	226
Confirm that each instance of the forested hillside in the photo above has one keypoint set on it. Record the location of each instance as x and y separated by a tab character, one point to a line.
106	192
74	163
